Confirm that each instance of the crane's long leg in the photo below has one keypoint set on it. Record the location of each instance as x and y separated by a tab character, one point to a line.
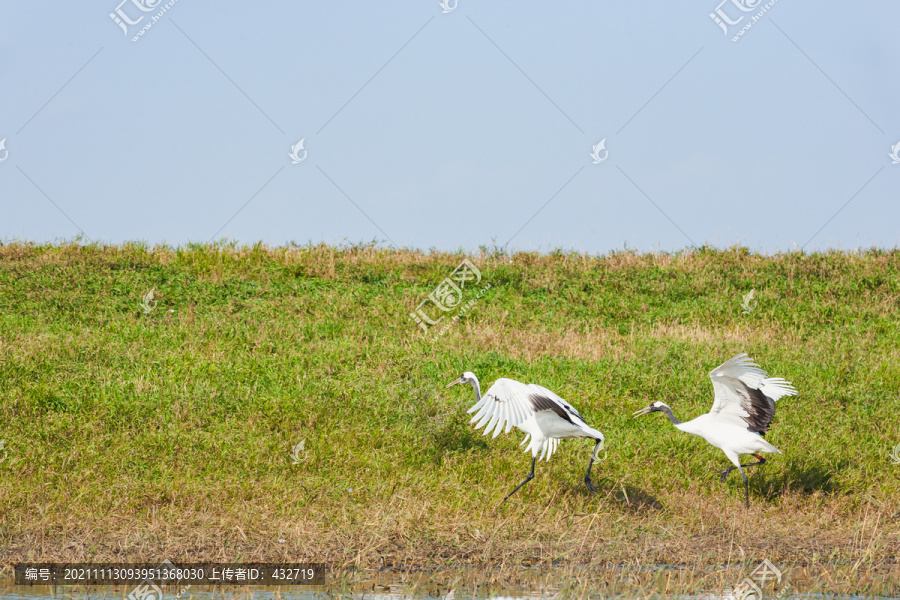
746	489
724	475
587	476
527	479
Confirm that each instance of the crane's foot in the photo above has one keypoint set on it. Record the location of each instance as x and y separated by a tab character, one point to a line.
724	474
595	487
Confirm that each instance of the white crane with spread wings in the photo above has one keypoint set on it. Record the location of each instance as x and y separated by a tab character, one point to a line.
542	415
743	409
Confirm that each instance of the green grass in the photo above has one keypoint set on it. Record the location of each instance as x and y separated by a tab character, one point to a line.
132	435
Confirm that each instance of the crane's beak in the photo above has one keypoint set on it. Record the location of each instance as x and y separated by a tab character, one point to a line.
452	383
643	411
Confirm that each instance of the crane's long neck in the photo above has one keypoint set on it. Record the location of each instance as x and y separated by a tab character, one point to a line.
668	412
477	387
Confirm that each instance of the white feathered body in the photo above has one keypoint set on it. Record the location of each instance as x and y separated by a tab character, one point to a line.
727	436
542	415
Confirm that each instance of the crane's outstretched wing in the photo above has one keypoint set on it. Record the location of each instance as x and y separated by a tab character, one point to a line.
744	391
565	405
506	403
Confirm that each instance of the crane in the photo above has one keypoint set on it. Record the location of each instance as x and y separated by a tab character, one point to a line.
539	413
742	411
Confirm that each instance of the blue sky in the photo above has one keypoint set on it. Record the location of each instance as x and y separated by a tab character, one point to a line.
453	130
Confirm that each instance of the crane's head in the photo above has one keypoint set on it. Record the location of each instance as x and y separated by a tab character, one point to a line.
467	377
654	407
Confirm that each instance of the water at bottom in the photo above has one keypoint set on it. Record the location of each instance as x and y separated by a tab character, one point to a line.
530	583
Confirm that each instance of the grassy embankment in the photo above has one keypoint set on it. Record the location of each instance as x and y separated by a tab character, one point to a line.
168	434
